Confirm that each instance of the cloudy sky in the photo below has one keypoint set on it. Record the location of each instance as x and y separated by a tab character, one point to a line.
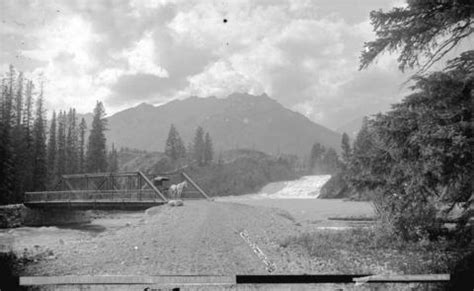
302	53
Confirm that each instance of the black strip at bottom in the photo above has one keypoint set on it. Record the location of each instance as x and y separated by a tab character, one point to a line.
296	279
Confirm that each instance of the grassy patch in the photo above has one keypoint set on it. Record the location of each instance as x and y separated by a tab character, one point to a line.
286	215
364	251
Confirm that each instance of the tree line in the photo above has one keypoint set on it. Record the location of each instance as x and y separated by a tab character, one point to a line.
34	155
323	160
199	151
418	155
416	158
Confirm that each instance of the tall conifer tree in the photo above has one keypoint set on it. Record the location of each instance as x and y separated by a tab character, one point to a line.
198	145
174	147
28	136
208	149
71	142
316	157
5	141
96	160
39	146
82	141
61	144
346	149
18	143
52	150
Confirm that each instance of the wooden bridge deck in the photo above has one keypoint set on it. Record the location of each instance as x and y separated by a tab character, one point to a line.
87	199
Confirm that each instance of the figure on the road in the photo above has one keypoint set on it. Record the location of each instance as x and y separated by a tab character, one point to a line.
175	191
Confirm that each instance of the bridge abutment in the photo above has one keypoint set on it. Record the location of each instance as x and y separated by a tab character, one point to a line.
19	215
46	217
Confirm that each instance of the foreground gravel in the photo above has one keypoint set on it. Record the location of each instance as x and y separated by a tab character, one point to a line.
199	238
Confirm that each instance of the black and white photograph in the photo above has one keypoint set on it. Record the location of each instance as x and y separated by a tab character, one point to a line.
236	145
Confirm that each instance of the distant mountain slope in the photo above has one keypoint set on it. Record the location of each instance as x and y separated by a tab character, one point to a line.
352	127
238	121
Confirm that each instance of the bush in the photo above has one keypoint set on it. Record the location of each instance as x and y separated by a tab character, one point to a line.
374	250
419	154
335	187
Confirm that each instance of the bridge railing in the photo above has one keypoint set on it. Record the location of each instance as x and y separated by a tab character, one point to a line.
88	195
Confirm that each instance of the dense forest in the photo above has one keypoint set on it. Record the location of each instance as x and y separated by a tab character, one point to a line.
34	153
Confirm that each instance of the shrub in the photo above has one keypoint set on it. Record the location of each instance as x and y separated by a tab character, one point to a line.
371	251
419	154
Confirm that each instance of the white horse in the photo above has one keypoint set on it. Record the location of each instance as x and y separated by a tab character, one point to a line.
175	191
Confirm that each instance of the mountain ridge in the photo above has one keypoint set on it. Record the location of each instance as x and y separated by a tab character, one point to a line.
238	121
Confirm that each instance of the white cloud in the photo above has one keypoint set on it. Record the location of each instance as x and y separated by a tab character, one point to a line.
66	34
142	57
66	46
221	79
73	76
302	53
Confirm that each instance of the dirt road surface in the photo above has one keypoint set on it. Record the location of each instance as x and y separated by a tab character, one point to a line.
199	238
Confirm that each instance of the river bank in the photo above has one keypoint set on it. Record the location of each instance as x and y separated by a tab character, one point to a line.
216	238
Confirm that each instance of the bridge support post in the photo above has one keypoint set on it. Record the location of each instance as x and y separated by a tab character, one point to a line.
188	178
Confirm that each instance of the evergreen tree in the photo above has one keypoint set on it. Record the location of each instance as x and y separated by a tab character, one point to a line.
52	150
316	157
330	162
363	151
6	163
39	147
82	139
424	145
208	149
28	114
19	103
190	152
423	31
61	144
16	140
181	148
28	137
28	160
19	143
174	147
113	165
71	143
199	146
96	158
346	149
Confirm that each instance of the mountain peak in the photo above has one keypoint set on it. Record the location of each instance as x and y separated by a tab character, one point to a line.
246	97
240	95
239	121
144	105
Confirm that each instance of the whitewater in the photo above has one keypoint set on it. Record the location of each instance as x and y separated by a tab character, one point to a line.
306	187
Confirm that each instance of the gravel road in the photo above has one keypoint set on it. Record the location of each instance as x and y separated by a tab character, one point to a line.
199	238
